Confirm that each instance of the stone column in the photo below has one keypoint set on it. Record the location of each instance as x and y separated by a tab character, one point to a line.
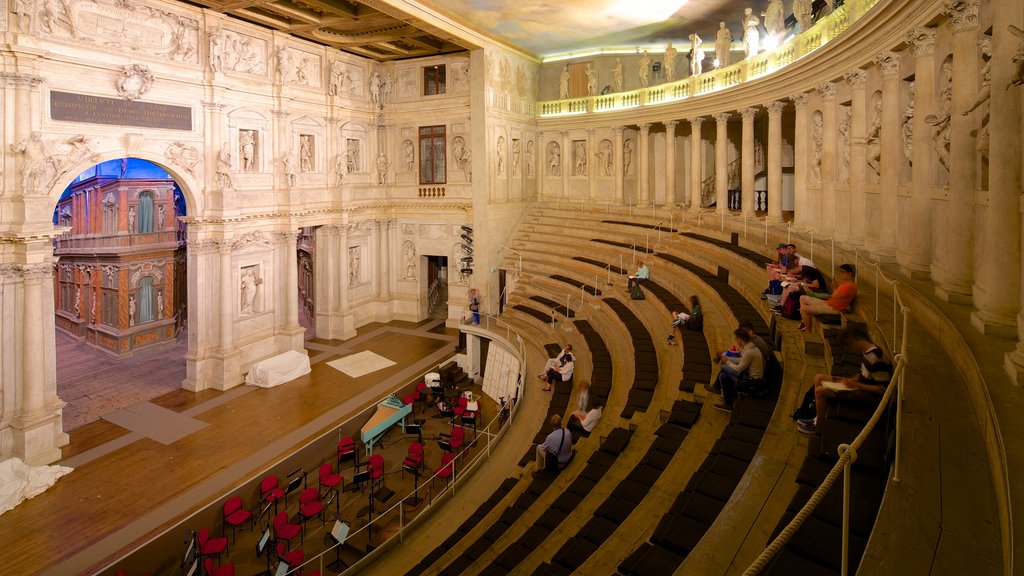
775	160
955	274
827	206
802	217
619	191
33	391
24	85
856	78
722	162
326	279
592	169
997	290
228	294
915	263
696	167
643	169
293	279
890	137
670	162
747	162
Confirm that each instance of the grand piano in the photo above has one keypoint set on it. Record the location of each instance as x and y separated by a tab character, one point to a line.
390	411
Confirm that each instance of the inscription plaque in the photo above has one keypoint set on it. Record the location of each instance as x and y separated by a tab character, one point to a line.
70	107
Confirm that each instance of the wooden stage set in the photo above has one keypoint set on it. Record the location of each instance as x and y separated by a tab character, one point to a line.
178	457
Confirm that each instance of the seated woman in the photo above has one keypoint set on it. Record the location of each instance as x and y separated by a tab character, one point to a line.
694	320
811	282
583	423
565	355
839	302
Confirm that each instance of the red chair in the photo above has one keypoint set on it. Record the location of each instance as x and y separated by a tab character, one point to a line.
285	530
460	406
423	391
211	546
410	400
376	468
271	491
347	451
446	470
414	459
293	559
222	570
310	505
329	480
235	514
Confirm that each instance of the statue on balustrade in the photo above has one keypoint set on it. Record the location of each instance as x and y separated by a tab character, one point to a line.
775	19
592	80
941	120
723	45
617	75
803	12
644	69
751	33
670	62
984	93
563	83
697	55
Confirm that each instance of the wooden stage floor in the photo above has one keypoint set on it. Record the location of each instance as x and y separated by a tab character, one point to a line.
133	481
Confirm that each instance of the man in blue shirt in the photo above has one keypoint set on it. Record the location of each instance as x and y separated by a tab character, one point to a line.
558	443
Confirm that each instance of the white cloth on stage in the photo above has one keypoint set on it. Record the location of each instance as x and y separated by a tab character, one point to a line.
19	482
360	363
278	369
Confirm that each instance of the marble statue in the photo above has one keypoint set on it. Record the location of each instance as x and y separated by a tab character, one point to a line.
644	69
516	155
306	160
247	149
284	64
24	9
617	75
183	155
563	83
161	216
302	71
531	168
131	219
160	304
775	19
382	168
339	78
907	123
224	169
751	34
845	134
580	157
1018	59
669	62
375	88
34	160
592	79
216	56
385	89
803	11
131	310
607	157
123	165
93	309
874	139
409	253
941	121
461	155
723	45
339	168
984	92
554	159
500	154
78	301
627	156
408	156
816	142
290	168
697	55
249	281
58	14
353	265
351	155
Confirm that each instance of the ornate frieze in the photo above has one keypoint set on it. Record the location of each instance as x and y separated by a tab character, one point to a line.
202	246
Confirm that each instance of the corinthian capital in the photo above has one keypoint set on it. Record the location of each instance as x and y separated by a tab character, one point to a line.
775	107
826	89
889	62
37	272
922	40
800	100
748	114
964	13
722	117
856	77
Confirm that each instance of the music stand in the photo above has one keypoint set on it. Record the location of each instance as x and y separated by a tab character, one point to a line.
261	549
339	533
282	568
357	480
193	570
191	554
415	428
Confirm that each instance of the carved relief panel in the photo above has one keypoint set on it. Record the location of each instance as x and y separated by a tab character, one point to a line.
233	51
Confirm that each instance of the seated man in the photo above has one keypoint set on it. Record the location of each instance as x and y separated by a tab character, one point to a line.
562	373
867	385
582	424
565	355
750	365
779	266
558	443
641	274
839	302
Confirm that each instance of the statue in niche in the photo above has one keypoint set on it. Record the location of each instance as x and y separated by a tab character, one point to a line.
131	219
375	88
58	14
816	141
984	93
409	255
516	155
563	83
874	139
351	155
78	301
607	157
339	78
531	168
353	265
34	163
284	64
24	10
382	168
669	62
554	159
697	55
803	11
131	310
627	157
306	163
339	168
247	149
1018	59
291	169
941	120
224	169
250	282
161	216
580	158
461	155
751	34
644	69
592	79
216	56
408	156
775	19
93	309
723	45
500	153
907	123
385	89
160	304
845	134
617	75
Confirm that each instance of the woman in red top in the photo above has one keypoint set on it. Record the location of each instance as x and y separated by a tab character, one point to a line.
840	300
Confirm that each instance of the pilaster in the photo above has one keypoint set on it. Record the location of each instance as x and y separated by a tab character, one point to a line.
619	191
722	162
916	262
802	217
670	162
696	165
827	205
643	172
747	162
775	160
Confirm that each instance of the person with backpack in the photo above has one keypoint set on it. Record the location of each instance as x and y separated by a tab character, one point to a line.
867	385
557	447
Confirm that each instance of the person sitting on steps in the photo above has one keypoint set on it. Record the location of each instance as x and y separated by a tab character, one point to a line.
839	302
749	365
641	274
694	320
557	446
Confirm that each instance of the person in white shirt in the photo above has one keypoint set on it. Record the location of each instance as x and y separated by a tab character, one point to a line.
563	373
582	424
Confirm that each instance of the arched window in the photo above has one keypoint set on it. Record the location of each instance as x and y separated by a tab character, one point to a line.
145	300
144	223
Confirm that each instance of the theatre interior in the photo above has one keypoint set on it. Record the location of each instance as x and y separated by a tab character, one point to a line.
485	287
